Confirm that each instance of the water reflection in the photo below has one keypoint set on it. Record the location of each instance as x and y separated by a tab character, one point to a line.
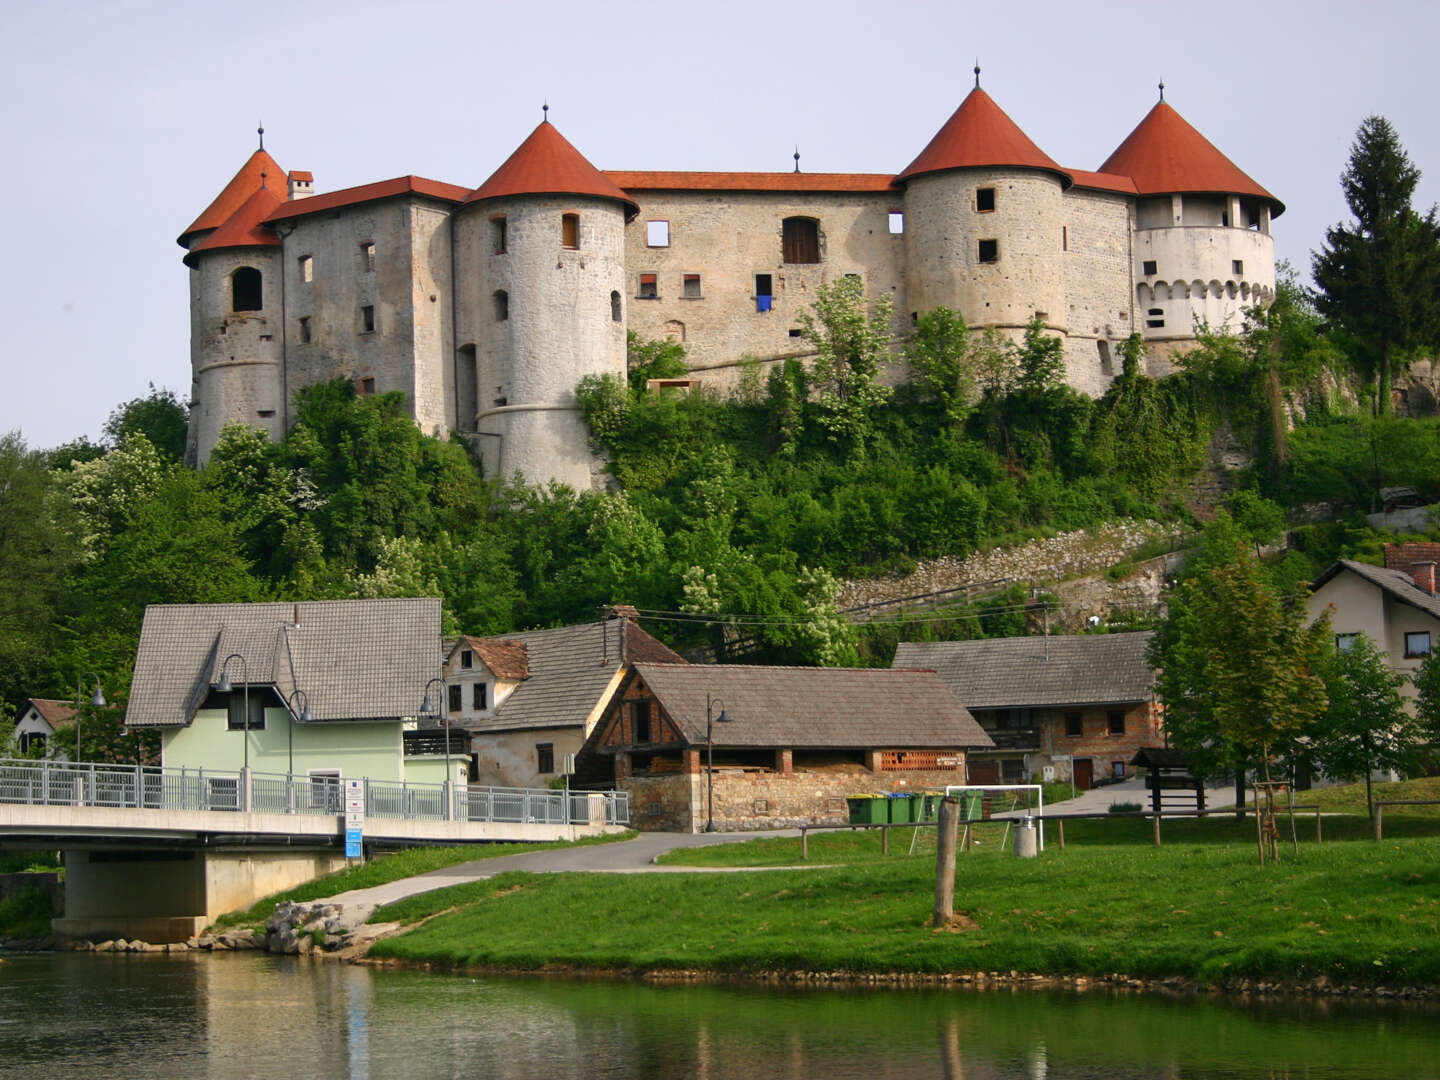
220	1017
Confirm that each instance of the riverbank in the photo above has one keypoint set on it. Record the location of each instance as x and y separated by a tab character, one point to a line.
1346	916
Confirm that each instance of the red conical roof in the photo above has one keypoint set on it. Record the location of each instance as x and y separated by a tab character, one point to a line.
244	228
1164	155
546	164
244	184
980	135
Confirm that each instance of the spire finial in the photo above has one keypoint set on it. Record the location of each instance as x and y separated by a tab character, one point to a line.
545	112
261	132
1162	89
263	177
977	73
797	157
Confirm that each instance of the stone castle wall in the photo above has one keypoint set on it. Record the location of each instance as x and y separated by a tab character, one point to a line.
1099	302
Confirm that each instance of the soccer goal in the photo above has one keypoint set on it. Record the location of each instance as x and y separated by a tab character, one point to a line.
1005	799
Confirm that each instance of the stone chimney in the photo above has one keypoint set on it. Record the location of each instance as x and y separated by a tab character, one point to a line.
1418	559
302	185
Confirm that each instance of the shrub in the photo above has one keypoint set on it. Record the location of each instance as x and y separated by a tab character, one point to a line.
1125	808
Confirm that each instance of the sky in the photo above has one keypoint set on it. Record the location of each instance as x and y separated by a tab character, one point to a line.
126	118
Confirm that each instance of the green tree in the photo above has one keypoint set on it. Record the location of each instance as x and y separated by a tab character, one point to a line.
941	353
1379	278
1240	671
1427	697
158	416
1366	726
646	360
852	348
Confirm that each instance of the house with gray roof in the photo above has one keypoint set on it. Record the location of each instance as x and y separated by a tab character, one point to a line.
331	688
1395	605
529	699
789	744
1064	707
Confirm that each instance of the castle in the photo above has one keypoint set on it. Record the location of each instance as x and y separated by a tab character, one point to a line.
486	306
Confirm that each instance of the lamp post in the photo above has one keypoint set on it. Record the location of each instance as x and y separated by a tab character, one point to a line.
304	716
427	708
98	701
723	718
224	687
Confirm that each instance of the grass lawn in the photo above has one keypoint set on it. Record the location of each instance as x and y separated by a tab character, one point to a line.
1199	907
1350	798
393	867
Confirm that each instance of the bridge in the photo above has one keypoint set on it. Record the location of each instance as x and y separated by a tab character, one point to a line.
157	854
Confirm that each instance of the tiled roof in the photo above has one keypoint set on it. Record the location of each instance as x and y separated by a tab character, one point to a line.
1099	181
546	164
1397	583
241	186
1165	155
58	714
354	659
570	668
1021	672
980	135
856	708
244	227
505	657
301	174
381	189
752	181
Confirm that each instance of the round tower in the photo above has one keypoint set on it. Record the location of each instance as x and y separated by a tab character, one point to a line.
985	222
236	339
540	264
1203	249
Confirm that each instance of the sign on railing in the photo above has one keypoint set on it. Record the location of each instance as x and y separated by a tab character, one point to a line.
149	787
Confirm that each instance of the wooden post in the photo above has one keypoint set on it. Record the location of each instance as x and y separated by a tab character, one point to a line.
1157	830
945	862
1259	832
884	839
1319	836
1060	826
804	845
1379	832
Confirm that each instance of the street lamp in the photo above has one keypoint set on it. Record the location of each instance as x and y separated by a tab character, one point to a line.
98	701
427	708
304	716
723	718
224	687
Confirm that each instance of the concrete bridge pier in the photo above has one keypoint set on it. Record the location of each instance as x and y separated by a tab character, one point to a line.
165	895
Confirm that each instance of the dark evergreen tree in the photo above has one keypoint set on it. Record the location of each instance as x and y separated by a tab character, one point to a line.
1379	279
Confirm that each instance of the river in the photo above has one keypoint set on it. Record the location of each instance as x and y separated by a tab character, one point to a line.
252	1015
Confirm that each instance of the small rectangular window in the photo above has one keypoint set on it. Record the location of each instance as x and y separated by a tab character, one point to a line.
467	659
1064	237
1237	267
1155	324
897	222
1074	725
455	692
1345	642
499	235
1115	720
794	331
1417	644
985	199
657	234
692	287
649	287
367	256
367	319
989	251
764	285
236	712
800	240
307	268
304	329
367	386
477	697
570	232
1148	268
545	757
640	722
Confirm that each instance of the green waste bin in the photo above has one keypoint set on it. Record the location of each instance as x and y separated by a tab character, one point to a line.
899	809
929	804
868	809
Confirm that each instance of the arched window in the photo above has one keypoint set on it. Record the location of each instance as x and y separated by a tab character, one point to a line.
800	240
615	306
245	289
502	305
570	231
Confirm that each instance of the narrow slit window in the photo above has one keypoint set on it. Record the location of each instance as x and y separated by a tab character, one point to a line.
570	232
245	289
367	319
615	309
657	234
1064	237
1237	266
304	329
989	251
502	305
649	287
800	240
499	235
307	268
764	292
984	199
367	256
691	287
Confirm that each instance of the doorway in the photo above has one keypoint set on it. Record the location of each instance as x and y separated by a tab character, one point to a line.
1084	773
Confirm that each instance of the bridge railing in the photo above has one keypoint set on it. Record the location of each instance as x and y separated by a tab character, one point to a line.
149	787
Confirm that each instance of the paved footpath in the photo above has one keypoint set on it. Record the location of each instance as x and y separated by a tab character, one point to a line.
635	856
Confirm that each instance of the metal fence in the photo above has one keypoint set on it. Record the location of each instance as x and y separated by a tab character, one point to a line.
149	787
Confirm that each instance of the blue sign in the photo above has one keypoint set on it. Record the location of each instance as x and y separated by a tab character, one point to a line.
352	844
